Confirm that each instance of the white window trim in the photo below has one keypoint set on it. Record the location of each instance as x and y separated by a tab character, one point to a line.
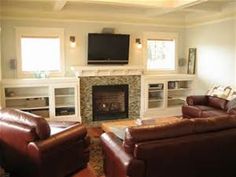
39	32
160	35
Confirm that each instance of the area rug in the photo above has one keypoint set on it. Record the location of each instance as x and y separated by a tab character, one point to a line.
96	157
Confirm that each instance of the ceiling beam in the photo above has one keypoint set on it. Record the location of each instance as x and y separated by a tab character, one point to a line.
59	5
155	13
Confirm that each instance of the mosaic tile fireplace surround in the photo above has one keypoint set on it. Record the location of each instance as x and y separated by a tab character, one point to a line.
134	95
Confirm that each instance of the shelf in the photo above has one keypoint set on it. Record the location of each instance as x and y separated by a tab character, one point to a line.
155	90
25	97
33	108
155	100
59	96
179	89
177	98
65	106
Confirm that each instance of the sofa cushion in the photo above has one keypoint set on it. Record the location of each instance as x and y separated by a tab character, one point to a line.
215	123
214	112
191	111
20	117
153	132
183	127
217	102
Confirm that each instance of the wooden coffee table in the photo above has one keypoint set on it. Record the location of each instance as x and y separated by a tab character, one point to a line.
122	124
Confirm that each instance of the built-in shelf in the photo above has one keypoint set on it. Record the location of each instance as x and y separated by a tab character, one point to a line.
49	98
165	94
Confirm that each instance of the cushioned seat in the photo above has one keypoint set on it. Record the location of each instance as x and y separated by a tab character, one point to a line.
204	108
211	113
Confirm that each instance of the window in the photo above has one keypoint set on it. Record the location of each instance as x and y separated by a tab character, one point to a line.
40	49
161	52
40	54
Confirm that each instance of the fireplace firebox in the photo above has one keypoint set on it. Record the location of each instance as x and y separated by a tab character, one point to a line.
110	102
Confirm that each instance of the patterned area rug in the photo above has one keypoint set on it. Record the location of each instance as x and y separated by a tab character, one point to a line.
96	157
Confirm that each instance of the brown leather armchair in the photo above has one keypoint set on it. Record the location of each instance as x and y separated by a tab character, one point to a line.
31	147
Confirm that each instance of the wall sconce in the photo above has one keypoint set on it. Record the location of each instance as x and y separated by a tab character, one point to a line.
138	43
72	42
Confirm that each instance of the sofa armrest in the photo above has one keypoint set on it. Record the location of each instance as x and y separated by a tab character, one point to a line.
115	155
196	100
73	135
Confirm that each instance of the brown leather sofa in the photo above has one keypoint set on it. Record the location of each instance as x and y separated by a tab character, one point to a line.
206	106
204	147
31	147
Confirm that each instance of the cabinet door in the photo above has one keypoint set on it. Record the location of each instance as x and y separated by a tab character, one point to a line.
155	96
65	101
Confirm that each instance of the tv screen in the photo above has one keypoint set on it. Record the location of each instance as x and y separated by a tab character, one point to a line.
108	48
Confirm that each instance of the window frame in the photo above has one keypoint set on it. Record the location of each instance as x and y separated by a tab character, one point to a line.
39	33
160	36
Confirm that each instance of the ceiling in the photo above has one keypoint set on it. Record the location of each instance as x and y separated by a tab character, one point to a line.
165	12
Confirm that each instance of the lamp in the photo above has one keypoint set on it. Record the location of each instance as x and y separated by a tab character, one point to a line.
138	43
72	41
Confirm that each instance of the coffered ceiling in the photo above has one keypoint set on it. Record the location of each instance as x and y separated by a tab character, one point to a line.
162	12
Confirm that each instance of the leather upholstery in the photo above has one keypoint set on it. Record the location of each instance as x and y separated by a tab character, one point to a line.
217	102
205	106
28	149
197	100
203	147
15	116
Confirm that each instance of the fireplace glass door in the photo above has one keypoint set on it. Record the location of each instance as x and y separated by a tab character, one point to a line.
110	102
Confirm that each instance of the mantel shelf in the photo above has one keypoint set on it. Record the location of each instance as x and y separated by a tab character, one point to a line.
84	71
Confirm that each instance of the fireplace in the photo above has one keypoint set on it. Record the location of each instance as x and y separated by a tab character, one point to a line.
110	102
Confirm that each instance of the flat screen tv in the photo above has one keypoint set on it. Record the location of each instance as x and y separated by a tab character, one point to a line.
108	48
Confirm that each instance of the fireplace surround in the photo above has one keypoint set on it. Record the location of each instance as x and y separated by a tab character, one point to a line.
86	100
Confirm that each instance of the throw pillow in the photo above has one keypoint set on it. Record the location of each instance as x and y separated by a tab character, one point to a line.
231	105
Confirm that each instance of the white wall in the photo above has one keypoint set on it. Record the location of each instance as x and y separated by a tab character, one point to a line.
78	55
0	67
216	54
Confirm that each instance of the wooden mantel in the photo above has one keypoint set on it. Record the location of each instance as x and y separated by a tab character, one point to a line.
84	71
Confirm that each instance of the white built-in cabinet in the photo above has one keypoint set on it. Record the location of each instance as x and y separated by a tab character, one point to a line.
55	99
165	94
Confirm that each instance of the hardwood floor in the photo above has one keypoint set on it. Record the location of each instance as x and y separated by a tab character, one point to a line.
87	172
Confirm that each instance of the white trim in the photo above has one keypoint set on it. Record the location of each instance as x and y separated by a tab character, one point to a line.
94	21
85	71
160	35
39	32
